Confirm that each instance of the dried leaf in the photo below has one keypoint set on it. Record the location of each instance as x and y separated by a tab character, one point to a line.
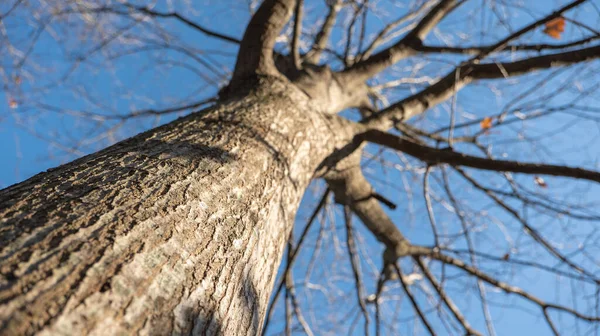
13	104
486	123
540	182
555	27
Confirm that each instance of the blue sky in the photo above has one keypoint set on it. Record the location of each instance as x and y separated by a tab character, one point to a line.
34	137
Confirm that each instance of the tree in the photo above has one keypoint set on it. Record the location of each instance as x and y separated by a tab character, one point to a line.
181	229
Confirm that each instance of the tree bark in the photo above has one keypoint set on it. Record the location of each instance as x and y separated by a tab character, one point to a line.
179	230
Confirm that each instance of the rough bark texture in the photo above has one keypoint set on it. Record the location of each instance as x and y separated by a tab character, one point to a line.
179	230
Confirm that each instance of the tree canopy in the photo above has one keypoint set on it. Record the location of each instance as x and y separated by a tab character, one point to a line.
465	200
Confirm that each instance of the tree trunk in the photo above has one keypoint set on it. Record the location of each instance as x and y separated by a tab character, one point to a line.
179	230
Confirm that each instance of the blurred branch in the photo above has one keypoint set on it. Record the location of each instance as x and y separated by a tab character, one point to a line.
298	14
504	42
134	114
322	37
350	30
10	10
371	66
429	206
381	36
355	262
292	258
528	228
475	50
436	255
444	88
291	294
179	17
471	248
154	13
255	55
451	306
527	263
413	301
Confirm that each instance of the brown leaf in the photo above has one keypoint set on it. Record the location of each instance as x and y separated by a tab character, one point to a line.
486	123
555	27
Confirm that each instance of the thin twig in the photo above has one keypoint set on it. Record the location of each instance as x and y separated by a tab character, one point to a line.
413	301
355	262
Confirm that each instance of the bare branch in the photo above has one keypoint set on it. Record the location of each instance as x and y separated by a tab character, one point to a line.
584	26
256	49
291	293
384	200
467	234
554	207
429	21
499	284
530	230
363	29
504	42
355	262
501	70
297	32
413	301
448	156
429	206
447	300
288	312
322	37
354	190
380	283
175	15
348	59
371	66
550	323
443	89
380	38
293	256
475	50
409	45
130	115
526	263
12	8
